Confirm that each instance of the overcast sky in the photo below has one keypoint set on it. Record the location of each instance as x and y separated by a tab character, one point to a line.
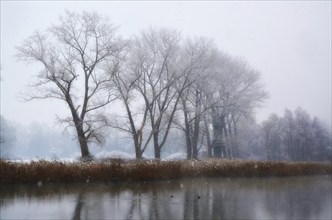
288	42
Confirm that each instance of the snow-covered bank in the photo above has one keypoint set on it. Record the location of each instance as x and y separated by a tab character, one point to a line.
103	155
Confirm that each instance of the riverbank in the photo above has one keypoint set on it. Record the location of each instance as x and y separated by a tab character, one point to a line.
118	170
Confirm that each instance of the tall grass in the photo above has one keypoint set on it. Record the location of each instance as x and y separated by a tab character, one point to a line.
60	172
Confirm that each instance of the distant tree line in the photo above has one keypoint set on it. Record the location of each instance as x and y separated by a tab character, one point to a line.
7	137
162	80
296	136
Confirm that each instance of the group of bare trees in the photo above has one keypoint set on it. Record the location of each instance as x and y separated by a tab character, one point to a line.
296	136
162	81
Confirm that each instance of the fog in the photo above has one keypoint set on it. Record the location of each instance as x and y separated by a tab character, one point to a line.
40	141
289	43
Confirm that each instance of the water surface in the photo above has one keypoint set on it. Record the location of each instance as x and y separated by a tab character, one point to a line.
197	198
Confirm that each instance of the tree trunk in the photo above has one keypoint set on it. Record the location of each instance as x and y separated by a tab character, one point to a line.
157	152
83	142
137	143
196	124
226	143
217	143
187	130
82	139
235	138
217	140
208	137
195	137
188	142
156	146
232	150
138	153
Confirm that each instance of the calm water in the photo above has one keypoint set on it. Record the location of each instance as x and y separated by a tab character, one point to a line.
212	198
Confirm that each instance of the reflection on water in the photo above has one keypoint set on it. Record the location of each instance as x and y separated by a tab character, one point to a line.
204	198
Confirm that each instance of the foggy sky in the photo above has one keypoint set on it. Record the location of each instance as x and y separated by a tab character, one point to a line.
288	42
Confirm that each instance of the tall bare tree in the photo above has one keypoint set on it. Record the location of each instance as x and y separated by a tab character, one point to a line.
246	93
237	89
125	83
74	54
161	83
197	62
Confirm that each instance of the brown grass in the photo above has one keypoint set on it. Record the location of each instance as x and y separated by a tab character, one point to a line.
13	172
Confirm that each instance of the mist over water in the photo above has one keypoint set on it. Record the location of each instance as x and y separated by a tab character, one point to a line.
199	198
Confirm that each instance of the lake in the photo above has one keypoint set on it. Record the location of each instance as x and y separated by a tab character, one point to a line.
305	197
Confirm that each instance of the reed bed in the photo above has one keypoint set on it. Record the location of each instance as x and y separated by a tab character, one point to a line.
118	170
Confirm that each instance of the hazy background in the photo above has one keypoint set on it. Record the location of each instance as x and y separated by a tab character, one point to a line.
288	42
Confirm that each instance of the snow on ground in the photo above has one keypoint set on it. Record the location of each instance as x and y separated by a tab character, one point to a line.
147	157
65	160
76	157
176	156
101	155
114	154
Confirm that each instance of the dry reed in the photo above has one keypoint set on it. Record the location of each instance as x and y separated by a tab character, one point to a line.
116	170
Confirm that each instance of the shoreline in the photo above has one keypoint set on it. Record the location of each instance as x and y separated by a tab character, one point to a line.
114	170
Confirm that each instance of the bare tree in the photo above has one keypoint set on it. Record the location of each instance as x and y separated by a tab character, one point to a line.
148	76
304	136
160	84
289	133
237	89
216	100
125	83
246	94
74	55
197	61
272	136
